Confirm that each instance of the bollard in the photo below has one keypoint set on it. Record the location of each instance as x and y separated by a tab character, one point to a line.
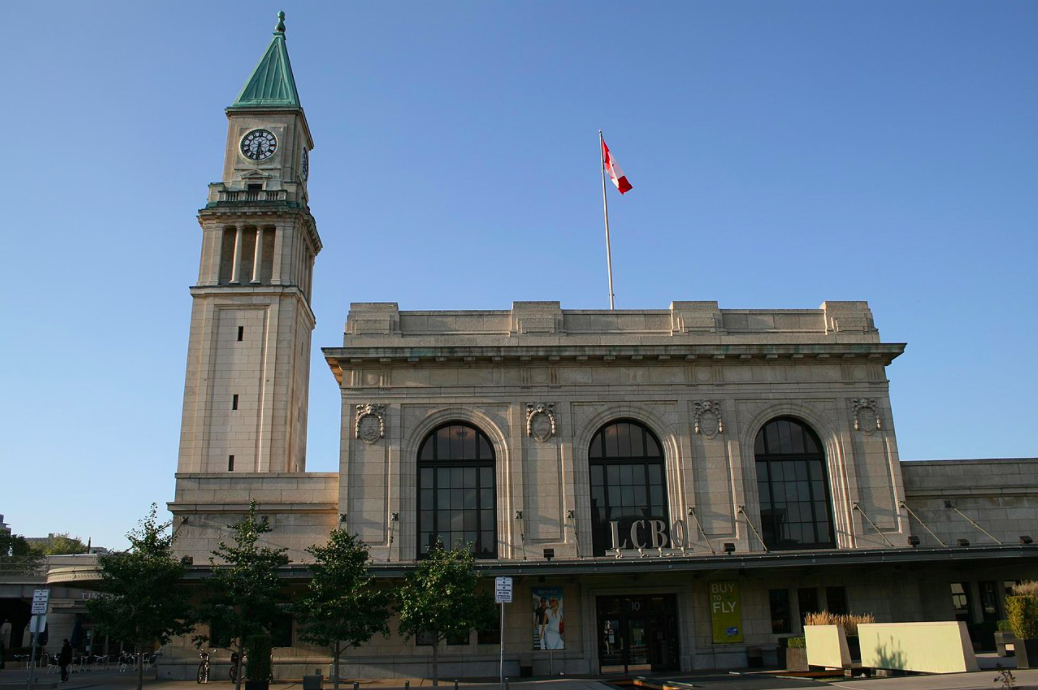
507	681
407	685
455	685
356	685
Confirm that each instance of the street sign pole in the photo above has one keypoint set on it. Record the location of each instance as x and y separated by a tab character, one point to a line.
39	611
502	645
32	653
502	595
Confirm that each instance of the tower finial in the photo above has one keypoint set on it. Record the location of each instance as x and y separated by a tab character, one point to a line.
280	28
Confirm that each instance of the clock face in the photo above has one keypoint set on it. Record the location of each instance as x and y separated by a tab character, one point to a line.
259	145
306	164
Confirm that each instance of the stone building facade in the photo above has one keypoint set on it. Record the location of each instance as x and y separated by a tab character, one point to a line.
684	483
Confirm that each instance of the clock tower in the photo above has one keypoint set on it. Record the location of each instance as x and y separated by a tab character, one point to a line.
248	369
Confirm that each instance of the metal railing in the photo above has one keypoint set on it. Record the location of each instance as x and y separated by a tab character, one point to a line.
259	195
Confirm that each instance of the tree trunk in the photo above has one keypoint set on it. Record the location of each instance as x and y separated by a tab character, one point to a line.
140	665
336	651
241	659
436	660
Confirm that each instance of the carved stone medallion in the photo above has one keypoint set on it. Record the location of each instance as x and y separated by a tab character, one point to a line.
370	423
540	420
866	415
709	422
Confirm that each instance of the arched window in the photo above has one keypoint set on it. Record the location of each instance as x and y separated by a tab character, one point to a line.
795	511
456	495
628	495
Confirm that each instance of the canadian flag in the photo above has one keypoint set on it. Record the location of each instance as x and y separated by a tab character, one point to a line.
615	173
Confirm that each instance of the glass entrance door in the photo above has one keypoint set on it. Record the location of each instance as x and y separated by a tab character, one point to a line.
637	633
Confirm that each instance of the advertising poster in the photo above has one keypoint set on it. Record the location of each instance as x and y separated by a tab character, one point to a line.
549	625
725	612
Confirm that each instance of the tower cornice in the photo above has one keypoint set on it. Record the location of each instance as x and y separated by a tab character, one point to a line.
252	212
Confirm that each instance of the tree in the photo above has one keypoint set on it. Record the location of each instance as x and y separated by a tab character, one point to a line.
439	598
60	544
142	598
342	608
244	589
17	554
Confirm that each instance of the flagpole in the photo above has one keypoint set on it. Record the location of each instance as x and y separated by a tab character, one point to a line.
605	210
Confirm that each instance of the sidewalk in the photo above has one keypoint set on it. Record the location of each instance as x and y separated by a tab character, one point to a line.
15	679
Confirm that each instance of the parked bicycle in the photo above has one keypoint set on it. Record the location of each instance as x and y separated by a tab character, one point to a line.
203	667
234	665
245	666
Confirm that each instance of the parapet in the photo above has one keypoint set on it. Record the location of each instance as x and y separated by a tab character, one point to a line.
684	321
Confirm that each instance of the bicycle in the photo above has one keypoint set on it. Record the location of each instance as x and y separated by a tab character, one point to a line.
203	667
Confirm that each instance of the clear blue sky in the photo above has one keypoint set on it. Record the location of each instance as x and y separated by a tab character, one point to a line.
782	154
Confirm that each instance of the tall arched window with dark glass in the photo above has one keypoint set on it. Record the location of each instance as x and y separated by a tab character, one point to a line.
795	511
456	495
628	495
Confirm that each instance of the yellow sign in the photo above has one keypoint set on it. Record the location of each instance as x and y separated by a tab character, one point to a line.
725	612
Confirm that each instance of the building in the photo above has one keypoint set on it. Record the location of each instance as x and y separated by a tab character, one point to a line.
682	484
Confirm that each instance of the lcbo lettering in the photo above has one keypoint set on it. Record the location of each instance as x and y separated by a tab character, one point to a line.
718	590
657	534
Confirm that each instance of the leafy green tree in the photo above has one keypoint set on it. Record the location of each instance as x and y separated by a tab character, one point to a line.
17	555
244	585
142	598
439	598
342	608
60	544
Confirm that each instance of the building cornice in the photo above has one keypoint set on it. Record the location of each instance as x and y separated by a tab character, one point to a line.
273	291
342	358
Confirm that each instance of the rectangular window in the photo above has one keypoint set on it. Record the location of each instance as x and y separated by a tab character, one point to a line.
780	618
458	640
281	628
254	186
230	463
960	592
807	600
241	332
492	633
989	600
219	634
234	402
836	600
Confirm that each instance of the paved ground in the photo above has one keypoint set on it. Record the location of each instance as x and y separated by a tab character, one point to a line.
15	679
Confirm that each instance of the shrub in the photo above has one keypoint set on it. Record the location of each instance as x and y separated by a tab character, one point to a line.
1004	626
1027	588
796	642
258	649
849	621
1023	616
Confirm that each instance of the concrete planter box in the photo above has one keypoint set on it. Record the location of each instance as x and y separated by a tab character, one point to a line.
827	646
932	647
1026	653
1005	642
796	659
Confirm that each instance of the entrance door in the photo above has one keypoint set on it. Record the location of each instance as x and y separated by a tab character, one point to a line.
637	633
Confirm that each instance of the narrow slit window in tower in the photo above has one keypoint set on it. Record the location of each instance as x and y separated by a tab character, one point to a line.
230	463
234	402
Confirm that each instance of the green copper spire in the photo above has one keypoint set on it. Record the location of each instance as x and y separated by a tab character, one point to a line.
271	84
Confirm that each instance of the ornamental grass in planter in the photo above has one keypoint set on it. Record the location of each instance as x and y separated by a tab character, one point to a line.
1022	611
848	621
